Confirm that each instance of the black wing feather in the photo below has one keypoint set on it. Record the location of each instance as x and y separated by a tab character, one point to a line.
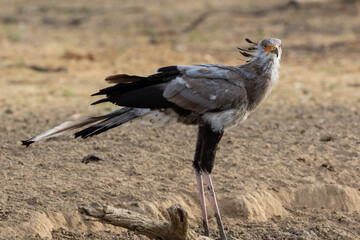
144	92
168	69
146	97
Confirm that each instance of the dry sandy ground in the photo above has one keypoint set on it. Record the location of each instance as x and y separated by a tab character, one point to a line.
291	171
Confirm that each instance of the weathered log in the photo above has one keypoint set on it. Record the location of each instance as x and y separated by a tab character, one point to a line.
176	229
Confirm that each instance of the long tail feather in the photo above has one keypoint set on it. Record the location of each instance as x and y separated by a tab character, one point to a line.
110	120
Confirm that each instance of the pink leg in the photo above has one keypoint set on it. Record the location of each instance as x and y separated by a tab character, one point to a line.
214	205
202	202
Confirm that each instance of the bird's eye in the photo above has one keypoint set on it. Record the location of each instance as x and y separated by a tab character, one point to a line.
265	46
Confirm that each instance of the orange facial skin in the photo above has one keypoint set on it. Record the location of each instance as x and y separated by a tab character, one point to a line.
271	49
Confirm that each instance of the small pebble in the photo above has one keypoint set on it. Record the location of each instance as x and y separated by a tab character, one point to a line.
328	167
90	158
327	138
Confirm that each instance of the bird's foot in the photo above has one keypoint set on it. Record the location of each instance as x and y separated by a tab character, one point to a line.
221	227
206	229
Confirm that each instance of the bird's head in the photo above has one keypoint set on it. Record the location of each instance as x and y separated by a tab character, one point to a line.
269	48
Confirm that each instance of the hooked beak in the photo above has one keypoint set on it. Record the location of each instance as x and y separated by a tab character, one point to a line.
276	51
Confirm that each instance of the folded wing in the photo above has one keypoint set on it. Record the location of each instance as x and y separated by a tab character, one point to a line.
205	88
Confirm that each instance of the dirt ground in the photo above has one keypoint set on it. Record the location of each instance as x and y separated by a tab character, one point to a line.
290	171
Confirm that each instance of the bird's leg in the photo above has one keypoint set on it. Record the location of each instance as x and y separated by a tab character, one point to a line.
210	141
214	205
203	203
199	180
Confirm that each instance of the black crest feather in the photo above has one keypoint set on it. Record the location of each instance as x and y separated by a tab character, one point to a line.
247	52
249	41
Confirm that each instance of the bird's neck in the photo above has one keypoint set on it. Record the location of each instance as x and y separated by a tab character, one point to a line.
260	75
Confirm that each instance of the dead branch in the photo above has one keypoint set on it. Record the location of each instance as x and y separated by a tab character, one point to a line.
176	229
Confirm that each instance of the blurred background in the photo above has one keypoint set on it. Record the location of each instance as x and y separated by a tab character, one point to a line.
54	54
63	49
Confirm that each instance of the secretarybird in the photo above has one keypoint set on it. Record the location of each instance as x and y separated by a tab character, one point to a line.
212	96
